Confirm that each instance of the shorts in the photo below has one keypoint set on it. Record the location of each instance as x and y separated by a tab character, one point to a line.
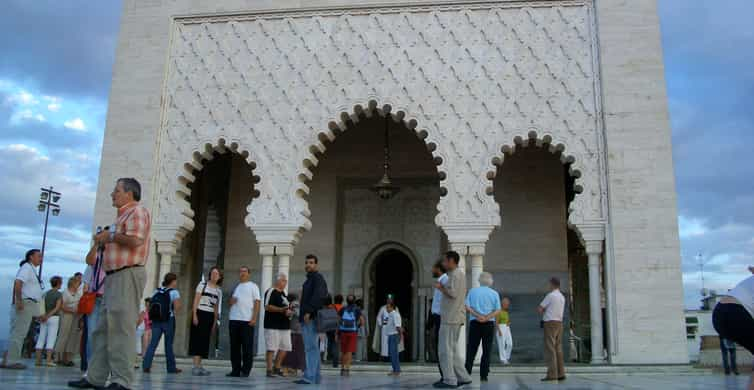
277	340
348	341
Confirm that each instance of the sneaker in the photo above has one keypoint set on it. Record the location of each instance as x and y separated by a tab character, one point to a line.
81	384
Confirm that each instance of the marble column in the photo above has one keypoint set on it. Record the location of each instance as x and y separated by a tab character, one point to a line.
267	252
166	249
476	253
284	254
462	250
594	254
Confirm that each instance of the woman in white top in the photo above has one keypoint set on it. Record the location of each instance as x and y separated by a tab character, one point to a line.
50	321
733	317
205	313
70	333
381	337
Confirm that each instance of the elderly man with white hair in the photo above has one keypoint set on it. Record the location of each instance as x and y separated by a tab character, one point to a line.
483	306
277	325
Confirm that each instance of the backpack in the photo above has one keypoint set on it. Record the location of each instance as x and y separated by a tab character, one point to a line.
348	321
327	320
159	306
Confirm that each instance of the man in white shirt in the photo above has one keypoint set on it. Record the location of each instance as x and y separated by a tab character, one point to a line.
27	294
438	272
551	309
244	311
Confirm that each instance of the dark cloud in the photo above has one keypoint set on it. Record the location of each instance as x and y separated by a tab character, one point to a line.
66	47
709	57
708	61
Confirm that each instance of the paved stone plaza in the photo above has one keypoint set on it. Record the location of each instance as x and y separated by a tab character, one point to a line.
625	378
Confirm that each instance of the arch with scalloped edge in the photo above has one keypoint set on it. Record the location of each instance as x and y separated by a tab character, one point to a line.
545	142
349	121
203	153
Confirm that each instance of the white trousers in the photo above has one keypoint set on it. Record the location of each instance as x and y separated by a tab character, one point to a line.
504	342
48	333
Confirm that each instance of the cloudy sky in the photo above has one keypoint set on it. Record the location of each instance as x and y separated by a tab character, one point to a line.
55	80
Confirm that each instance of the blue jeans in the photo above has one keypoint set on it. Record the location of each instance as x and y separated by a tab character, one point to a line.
90	321
311	348
392	350
158	329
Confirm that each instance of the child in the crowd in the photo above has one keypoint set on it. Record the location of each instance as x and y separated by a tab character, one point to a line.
143	332
393	330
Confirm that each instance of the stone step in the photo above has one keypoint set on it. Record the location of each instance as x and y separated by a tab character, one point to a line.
423	368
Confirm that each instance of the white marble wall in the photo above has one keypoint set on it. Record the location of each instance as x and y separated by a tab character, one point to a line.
648	315
642	243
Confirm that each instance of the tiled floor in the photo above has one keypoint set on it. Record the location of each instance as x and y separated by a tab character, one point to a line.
55	378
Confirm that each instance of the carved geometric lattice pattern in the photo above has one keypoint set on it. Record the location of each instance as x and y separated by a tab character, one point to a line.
472	76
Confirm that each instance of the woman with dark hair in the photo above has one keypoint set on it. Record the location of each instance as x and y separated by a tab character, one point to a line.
50	321
163	322
205	313
27	292
69	339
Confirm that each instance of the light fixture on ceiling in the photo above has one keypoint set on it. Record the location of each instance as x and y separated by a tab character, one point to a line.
385	188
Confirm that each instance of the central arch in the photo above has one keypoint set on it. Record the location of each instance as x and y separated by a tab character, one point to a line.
349	121
392	267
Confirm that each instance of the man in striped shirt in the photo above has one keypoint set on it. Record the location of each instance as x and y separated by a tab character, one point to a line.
126	247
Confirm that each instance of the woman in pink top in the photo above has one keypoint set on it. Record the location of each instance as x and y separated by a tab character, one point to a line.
144	320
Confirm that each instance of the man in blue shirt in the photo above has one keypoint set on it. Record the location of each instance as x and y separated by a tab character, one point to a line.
438	272
483	306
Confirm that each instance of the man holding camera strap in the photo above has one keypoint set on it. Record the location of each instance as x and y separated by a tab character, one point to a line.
126	246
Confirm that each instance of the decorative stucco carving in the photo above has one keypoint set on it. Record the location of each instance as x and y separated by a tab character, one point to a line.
468	78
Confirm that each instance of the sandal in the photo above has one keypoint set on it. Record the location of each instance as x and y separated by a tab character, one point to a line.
14	366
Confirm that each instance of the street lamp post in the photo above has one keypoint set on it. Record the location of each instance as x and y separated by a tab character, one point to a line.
48	201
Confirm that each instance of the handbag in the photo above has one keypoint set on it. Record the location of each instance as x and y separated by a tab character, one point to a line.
327	320
89	299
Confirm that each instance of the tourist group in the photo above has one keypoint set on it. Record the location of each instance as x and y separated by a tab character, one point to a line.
101	316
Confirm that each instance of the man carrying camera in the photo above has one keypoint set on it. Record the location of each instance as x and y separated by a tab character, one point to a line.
125	246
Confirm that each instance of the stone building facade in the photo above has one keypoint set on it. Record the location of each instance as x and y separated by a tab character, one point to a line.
530	136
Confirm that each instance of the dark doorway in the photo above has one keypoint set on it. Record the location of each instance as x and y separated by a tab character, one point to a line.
393	273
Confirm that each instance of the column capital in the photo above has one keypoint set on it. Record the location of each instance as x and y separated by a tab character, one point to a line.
284	249
473	249
167	247
592	235
277	234
266	249
466	235
168	232
593	249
